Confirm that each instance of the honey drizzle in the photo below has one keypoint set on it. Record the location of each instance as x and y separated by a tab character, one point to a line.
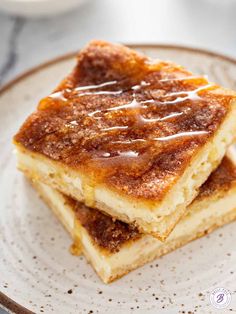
126	121
76	249
131	148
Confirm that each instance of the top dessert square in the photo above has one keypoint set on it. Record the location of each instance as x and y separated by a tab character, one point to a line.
142	135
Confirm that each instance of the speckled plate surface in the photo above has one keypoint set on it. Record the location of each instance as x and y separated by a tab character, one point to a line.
37	272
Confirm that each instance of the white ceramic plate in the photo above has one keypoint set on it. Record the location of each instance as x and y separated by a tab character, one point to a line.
36	269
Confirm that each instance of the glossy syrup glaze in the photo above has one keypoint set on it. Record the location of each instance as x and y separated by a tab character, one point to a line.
133	123
111	235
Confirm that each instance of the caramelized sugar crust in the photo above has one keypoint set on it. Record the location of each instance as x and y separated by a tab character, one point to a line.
221	179
128	121
111	234
106	232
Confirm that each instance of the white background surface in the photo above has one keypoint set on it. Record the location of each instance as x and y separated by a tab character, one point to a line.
209	24
27	42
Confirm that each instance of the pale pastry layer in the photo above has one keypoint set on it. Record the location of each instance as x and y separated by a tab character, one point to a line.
203	217
158	219
58	204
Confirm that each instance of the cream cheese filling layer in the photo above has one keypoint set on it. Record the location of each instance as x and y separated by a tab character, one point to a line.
147	245
201	216
58	205
159	219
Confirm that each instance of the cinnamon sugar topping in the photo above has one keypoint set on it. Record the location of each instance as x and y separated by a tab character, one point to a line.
125	118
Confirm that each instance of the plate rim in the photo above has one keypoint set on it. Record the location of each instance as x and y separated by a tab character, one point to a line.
5	87
6	301
11	305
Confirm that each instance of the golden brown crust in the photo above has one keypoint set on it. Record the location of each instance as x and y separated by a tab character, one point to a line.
135	128
107	233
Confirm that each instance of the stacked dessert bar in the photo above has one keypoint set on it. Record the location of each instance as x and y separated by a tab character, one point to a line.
130	154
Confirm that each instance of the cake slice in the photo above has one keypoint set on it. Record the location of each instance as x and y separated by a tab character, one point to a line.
131	136
115	248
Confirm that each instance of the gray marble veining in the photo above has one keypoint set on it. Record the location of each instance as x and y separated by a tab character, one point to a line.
203	23
11	55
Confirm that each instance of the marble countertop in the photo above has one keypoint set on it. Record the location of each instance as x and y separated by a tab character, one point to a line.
25	43
206	24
